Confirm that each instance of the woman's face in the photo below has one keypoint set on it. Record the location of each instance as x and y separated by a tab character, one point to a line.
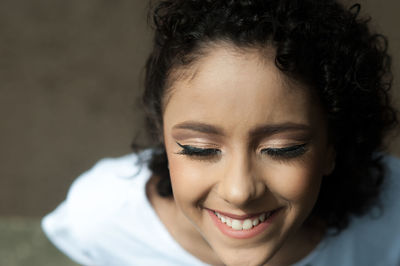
247	150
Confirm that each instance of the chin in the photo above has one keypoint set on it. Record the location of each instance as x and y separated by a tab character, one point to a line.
247	256
246	259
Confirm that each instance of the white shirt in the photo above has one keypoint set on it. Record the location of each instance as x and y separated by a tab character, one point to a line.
107	219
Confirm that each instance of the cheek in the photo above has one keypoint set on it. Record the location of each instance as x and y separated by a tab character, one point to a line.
189	183
297	184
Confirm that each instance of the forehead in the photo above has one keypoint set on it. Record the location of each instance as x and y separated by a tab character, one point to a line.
209	57
227	86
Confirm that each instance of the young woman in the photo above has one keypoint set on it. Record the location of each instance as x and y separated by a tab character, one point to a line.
268	119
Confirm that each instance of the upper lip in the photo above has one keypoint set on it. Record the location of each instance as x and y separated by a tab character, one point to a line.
241	217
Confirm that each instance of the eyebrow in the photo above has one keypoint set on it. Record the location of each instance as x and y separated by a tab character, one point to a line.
200	127
277	128
258	131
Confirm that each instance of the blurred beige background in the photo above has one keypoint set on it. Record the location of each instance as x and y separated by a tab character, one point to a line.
70	76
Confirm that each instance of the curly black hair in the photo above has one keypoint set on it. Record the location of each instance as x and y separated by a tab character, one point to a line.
319	42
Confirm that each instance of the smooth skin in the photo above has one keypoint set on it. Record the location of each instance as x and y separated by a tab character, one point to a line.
266	146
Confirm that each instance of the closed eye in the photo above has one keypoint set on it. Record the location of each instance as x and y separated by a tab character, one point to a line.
195	151
287	152
283	153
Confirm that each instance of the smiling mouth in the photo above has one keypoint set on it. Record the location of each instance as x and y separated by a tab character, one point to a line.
246	223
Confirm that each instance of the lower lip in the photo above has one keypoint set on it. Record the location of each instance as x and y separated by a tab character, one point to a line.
243	234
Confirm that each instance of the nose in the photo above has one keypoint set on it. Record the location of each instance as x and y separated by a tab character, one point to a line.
240	184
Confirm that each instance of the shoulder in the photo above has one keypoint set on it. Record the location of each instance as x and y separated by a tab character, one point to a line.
100	190
379	231
386	215
94	198
391	186
372	239
109	175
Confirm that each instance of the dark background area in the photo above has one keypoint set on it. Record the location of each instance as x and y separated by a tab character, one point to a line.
70	78
69	75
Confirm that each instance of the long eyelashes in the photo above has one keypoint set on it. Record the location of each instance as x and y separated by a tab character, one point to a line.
279	153
287	152
195	151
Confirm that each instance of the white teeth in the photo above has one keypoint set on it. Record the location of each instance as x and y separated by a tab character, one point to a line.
247	224
262	217
240	224
256	222
229	222
236	225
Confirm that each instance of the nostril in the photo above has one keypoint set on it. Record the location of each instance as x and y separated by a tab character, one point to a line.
237	193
